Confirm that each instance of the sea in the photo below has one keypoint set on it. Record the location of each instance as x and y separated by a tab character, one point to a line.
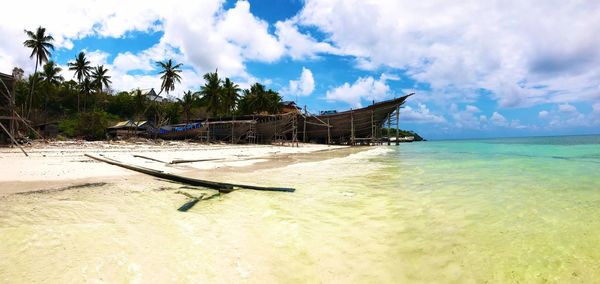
508	210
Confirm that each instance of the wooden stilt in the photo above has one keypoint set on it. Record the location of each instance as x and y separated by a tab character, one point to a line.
304	131
13	139
328	132
389	128
351	127
397	122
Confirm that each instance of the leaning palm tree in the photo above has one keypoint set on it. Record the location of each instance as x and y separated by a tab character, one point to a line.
230	95
40	45
212	93
82	69
170	75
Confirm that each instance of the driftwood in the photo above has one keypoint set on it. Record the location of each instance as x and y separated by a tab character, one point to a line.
192	161
148	158
193	200
220	186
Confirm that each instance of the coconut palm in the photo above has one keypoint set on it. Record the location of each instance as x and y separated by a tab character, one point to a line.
100	79
257	100
170	75
82	69
188	102
211	93
51	74
40	45
86	88
230	95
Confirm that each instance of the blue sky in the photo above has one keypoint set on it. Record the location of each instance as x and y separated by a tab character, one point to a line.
478	69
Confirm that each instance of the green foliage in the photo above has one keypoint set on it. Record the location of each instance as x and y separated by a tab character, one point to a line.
87	125
256	100
401	133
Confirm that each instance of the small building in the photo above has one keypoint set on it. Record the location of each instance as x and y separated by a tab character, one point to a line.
47	129
130	128
289	106
152	96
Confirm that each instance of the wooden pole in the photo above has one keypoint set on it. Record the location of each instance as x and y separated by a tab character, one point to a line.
397	122
389	128
328	132
372	129
13	139
351	127
304	131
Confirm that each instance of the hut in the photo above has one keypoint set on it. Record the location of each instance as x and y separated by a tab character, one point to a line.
130	128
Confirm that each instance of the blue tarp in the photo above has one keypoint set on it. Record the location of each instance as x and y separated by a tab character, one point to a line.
179	128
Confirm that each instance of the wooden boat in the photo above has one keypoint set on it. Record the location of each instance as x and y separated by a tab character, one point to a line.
182	131
235	131
349	125
273	127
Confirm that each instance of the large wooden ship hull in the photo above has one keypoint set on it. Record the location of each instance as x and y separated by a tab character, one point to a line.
182	131
349	125
235	131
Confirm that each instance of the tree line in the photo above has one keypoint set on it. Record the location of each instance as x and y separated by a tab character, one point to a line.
87	98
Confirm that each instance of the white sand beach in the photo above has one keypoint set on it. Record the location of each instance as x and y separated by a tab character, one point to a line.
59	164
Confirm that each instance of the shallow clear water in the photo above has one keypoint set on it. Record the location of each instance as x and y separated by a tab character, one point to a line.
497	210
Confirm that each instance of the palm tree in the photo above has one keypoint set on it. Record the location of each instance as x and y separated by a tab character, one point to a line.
82	69
211	92
51	74
189	100
100	79
170	75
257	100
40	45
86	88
230	95
138	102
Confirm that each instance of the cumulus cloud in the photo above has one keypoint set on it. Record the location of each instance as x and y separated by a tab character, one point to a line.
510	49
567	108
364	88
299	45
498	119
304	86
203	34
543	114
421	114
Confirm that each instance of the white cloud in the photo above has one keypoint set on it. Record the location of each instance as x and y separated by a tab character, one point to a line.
498	119
543	114
596	108
364	88
299	45
522	52
567	108
304	86
203	34
472	109
422	114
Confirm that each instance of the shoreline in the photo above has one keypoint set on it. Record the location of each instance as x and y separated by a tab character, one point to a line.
57	165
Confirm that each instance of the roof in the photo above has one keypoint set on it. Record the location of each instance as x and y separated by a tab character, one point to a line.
129	123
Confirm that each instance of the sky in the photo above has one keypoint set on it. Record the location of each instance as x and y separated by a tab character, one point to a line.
478	68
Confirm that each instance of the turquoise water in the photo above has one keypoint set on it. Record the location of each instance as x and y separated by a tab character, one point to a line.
517	210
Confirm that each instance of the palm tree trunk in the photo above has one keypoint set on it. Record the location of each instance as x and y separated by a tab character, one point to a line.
31	90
